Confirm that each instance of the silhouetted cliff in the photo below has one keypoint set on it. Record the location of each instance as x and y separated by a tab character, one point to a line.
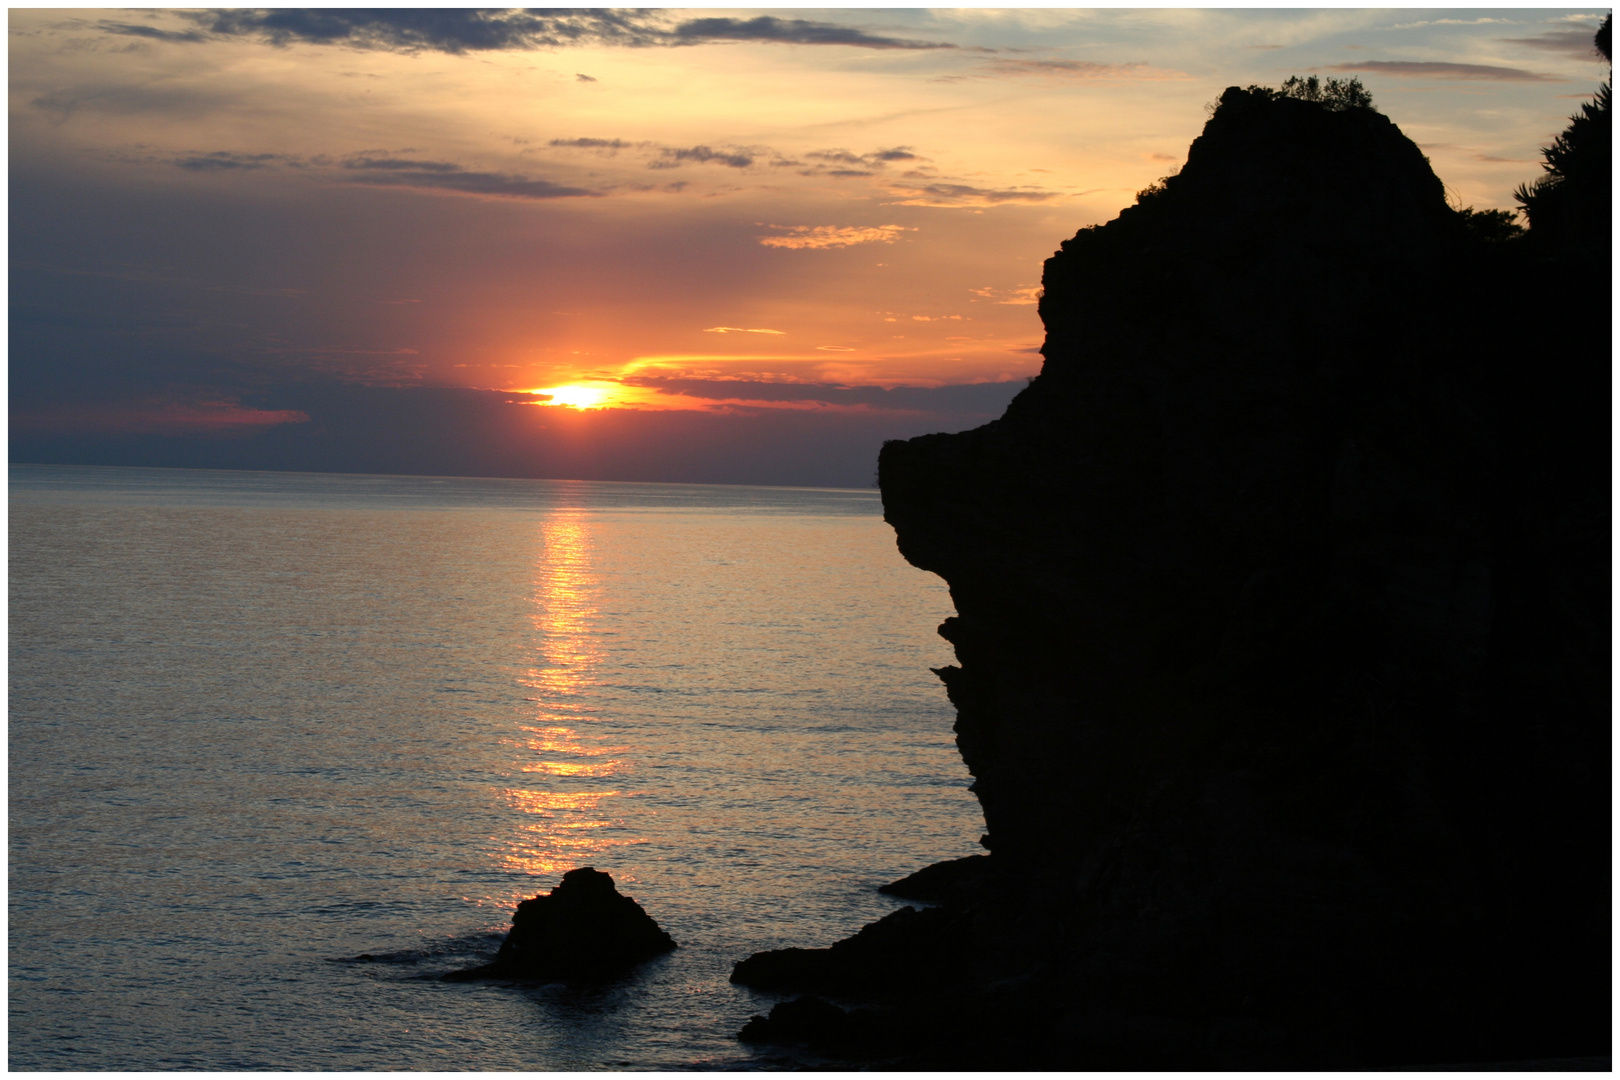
1282	628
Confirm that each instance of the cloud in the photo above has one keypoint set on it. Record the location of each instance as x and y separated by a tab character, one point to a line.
127	99
836	162
400	164
1576	43
740	330
671	157
852	164
1447	22
954	195
133	30
973	399
667	157
584	78
792	31
154	417
610	147
463	30
1071	70
449	30
1438	70
497	185
368	168
224	160
1018	297
843	157
833	236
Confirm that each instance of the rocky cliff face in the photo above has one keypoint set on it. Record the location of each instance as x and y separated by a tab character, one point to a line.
1282	619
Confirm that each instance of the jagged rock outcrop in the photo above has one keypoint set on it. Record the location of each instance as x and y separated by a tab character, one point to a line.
819	1025
958	881
584	930
1282	620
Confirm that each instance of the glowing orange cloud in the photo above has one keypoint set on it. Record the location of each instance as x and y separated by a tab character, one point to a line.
833	236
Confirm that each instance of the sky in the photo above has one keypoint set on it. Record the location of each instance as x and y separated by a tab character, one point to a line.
730	246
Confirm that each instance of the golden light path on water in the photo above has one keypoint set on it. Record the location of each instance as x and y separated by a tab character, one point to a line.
560	830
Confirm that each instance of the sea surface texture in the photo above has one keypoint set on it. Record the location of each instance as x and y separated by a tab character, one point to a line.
286	747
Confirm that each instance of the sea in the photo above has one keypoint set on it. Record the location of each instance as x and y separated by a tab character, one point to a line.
286	747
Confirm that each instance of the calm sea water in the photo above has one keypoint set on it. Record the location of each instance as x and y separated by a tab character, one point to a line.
263	723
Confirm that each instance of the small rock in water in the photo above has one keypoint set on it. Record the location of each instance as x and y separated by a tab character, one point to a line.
583	930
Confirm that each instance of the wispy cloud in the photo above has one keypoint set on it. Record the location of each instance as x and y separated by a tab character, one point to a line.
834	162
224	161
496	185
813	237
449	30
108	26
465	30
1433	69
741	330
379	171
153	416
1449	22
1019	296
989	398
666	157
1002	67
965	195
673	157
400	164
844	163
792	31
1576	43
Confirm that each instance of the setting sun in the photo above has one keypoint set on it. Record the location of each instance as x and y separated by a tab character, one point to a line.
576	396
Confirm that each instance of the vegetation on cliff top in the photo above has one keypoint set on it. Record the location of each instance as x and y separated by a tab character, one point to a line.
1571	202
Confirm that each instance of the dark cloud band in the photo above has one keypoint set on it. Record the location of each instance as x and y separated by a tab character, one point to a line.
472	183
1429	69
1575	43
791	31
458	30
390	172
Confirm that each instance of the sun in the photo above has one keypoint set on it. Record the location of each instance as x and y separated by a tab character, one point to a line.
576	396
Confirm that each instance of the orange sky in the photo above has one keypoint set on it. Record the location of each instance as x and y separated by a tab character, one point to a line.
843	196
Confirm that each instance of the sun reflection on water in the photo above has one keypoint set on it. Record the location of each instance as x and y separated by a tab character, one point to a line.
560	830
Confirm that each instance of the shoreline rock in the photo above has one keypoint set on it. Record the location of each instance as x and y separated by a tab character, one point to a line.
955	881
584	930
